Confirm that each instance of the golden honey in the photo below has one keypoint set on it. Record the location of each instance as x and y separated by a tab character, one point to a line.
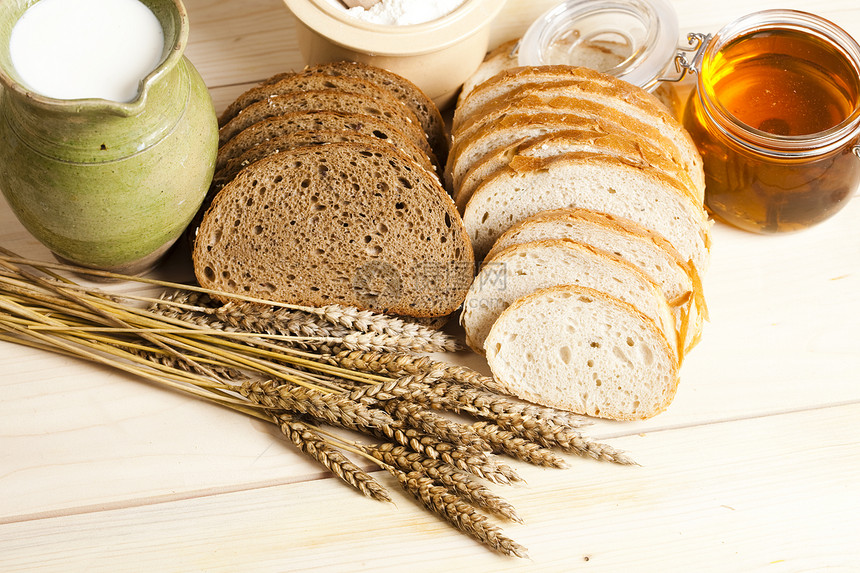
776	118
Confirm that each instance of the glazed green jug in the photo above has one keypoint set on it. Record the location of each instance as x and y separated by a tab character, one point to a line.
103	184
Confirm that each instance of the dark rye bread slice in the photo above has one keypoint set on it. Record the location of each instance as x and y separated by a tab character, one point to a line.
353	224
401	88
290	141
302	138
304	82
327	100
281	125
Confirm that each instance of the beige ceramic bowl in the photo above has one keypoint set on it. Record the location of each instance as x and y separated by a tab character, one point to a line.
437	56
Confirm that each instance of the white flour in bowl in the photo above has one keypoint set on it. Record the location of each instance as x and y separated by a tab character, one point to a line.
404	12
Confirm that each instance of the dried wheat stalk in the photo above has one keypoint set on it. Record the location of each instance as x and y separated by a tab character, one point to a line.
310	372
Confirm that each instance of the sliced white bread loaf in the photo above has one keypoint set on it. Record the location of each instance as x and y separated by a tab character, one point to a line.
287	123
512	79
500	58
522	269
354	224
576	114
649	252
327	100
587	181
624	145
581	350
654	121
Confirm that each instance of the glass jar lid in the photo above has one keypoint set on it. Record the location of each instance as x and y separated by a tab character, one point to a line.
634	40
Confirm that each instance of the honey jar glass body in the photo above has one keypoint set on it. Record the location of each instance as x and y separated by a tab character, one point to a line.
104	184
776	118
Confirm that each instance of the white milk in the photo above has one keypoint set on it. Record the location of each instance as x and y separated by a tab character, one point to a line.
74	49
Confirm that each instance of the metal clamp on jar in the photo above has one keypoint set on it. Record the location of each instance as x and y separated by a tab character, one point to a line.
775	112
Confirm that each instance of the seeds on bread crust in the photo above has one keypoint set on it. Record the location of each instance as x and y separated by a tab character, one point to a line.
354	224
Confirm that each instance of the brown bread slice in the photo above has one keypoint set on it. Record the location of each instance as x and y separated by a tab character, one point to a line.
407	92
346	75
343	223
287	123
302	138
327	100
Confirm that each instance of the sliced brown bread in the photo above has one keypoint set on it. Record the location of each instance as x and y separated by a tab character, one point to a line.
354	224
653	120
524	268
623	145
298	139
407	92
588	181
327	100
649	252
320	137
287	84
581	350
281	125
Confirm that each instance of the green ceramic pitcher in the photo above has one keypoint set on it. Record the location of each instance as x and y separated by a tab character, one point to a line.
103	184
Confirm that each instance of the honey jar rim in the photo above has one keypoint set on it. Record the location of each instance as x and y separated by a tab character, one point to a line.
817	143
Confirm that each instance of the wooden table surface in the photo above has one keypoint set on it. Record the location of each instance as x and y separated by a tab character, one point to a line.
755	466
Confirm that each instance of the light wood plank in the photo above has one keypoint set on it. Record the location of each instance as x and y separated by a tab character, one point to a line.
778	493
779	340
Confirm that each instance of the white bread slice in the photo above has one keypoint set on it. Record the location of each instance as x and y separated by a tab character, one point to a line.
502	57
570	113
343	223
618	98
522	269
649	252
512	79
587	181
624	145
580	350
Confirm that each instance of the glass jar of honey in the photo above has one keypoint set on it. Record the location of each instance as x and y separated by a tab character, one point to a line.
776	118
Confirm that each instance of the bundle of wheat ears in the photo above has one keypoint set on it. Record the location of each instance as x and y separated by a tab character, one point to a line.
311	372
